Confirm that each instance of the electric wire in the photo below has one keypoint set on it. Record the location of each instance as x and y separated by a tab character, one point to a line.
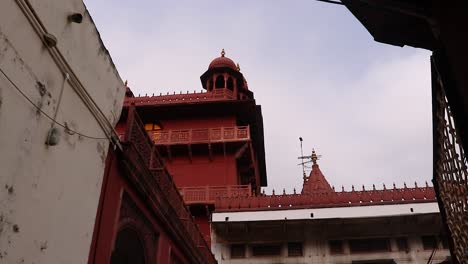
431	257
64	126
74	81
65	79
434	250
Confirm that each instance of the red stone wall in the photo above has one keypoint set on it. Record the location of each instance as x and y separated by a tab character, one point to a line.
109	220
204	225
203	172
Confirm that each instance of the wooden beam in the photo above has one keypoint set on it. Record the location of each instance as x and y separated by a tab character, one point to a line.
224	149
189	146
169	153
254	162
241	150
210	152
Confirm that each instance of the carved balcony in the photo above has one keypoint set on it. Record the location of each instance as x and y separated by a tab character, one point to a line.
204	135
209	194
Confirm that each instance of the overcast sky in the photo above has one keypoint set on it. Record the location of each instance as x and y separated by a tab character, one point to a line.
364	106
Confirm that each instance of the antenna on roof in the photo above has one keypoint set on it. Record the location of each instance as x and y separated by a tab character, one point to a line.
302	158
311	158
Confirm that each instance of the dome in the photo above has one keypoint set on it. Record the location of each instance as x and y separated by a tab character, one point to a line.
222	62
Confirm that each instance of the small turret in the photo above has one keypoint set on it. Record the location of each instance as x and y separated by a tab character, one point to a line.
223	73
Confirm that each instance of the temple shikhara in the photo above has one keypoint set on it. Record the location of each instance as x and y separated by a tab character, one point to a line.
203	154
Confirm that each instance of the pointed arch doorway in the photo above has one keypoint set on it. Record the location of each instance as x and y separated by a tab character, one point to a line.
128	248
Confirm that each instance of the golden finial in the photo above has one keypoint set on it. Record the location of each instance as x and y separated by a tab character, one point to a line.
223	53
238	67
126	83
314	157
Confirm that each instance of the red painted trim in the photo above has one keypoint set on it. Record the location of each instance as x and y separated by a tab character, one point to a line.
98	220
116	223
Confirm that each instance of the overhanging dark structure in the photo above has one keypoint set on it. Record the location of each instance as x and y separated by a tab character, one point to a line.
442	27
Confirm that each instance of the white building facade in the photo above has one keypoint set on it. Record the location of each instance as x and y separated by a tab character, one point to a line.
331	235
321	225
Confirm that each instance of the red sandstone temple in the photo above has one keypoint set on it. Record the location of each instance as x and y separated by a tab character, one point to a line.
187	189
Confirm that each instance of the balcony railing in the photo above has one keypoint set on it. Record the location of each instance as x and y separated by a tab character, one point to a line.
215	95
204	135
209	194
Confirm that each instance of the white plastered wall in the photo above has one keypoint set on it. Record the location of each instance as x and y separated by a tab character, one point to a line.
49	194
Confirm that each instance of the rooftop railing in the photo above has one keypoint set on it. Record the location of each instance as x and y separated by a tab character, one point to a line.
215	95
326	199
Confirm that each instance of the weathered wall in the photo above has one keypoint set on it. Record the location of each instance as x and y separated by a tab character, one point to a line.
50	194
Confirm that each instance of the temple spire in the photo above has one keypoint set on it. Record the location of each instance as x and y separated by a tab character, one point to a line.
316	182
223	53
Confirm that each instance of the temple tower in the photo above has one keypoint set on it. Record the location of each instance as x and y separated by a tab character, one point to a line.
211	141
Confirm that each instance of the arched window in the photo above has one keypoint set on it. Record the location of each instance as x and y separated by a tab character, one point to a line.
220	81
230	84
128	248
